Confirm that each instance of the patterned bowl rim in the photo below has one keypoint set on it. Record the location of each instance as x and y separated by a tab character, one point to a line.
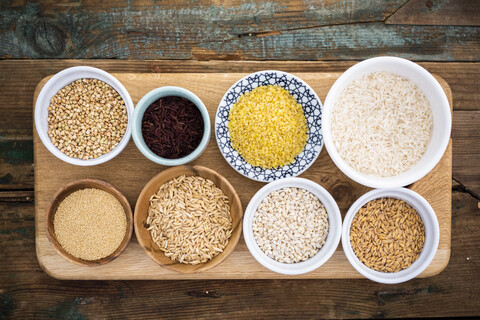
307	86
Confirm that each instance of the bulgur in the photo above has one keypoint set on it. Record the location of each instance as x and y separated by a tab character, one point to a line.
267	127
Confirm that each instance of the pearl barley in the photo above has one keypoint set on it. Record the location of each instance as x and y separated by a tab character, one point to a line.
290	225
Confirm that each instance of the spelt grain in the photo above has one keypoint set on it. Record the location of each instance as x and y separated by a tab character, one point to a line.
391	230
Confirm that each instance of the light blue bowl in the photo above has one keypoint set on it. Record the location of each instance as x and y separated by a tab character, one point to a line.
153	96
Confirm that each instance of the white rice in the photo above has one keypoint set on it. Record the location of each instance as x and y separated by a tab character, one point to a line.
382	124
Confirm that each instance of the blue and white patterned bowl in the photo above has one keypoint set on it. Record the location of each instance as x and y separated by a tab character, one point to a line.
312	108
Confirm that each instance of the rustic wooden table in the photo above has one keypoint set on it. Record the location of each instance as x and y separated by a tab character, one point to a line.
40	38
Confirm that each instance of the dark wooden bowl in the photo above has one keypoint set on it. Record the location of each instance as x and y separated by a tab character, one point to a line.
83	184
141	214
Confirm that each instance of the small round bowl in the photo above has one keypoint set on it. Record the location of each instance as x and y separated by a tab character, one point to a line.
312	108
141	213
331	243
151	97
432	235
442	119
79	185
59	81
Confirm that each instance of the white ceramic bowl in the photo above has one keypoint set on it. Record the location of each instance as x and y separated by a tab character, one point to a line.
432	235
312	109
143	105
333	238
62	79
442	119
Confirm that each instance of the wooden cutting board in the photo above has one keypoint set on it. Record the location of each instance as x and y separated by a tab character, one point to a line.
130	171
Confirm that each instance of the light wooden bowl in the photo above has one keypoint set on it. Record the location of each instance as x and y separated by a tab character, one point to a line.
69	189
141	214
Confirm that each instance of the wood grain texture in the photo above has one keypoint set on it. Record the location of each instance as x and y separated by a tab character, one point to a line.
210	87
141	213
466	134
438	12
234	29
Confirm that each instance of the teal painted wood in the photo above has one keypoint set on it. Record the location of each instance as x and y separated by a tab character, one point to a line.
283	30
356	42
16	164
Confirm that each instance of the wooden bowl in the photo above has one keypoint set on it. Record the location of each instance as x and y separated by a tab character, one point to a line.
69	189
141	214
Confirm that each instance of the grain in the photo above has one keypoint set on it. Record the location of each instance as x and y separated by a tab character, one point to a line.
86	119
387	235
90	224
382	124
172	127
189	219
267	127
290	225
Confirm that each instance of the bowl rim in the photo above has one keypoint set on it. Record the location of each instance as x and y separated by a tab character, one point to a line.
151	97
233	241
426	212
84	72
376	181
321	124
323	255
68	189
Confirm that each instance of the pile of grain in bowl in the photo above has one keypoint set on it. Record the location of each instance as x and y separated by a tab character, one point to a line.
87	119
290	225
172	127
387	235
267	127
189	219
90	224
382	124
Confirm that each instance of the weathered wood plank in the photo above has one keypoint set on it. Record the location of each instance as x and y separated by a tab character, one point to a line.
349	42
28	293
89	29
466	150
16	164
296	30
438	12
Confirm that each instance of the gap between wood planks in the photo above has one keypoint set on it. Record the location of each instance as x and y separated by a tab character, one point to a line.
457	186
19	196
